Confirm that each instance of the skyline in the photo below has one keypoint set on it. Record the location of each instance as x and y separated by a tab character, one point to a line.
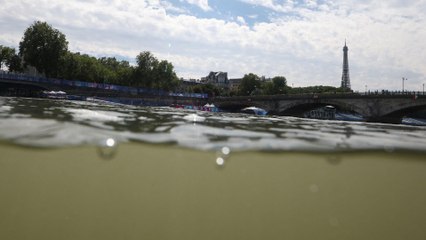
301	40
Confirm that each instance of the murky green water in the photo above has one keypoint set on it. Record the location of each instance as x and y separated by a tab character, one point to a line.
80	170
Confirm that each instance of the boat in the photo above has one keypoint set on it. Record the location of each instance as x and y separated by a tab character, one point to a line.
54	94
255	111
327	113
206	108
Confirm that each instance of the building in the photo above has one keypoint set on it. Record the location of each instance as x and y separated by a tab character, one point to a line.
346	83
186	84
219	79
234	83
265	79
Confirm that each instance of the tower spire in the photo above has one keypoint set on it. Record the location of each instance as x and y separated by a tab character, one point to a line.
346	84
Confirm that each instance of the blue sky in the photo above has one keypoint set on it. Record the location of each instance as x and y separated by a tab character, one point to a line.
299	39
230	11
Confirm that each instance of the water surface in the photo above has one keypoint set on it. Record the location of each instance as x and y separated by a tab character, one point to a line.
50	123
85	170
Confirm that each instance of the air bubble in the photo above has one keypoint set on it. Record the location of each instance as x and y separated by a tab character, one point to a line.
222	155
107	148
226	150
220	161
110	142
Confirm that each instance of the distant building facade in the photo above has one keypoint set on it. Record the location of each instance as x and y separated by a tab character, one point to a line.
186	84
219	79
265	79
234	83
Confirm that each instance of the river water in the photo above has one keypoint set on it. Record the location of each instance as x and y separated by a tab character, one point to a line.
95	170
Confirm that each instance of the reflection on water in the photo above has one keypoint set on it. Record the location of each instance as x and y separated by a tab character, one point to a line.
43	122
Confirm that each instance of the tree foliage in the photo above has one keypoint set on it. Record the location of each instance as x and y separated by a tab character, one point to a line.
315	89
208	88
152	73
278	85
144	71
149	72
44	48
10	59
103	70
5	55
250	85
164	76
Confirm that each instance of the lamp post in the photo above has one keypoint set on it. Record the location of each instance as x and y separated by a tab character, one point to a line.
365	89
403	80
423	89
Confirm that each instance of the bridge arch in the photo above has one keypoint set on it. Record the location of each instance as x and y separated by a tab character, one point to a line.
301	106
378	107
21	89
237	104
406	111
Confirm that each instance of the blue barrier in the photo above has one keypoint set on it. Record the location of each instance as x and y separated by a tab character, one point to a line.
105	86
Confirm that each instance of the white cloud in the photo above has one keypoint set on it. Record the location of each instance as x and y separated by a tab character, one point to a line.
384	37
304	44
203	4
241	20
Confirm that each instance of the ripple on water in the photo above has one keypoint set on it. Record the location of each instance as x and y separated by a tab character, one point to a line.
92	123
52	133
194	118
97	115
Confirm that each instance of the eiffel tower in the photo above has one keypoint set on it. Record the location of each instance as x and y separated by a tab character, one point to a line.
346	83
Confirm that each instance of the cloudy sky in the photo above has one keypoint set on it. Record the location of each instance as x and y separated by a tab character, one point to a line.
299	39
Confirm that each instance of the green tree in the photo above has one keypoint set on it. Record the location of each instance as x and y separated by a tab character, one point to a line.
143	74
250	84
109	69
164	76
70	67
44	48
5	55
314	89
102	70
116	72
90	69
278	85
83	67
208	88
9	59
15	64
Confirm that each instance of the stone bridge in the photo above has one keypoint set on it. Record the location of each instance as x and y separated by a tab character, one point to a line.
373	107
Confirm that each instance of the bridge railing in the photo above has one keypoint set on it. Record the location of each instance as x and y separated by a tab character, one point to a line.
381	94
104	86
387	92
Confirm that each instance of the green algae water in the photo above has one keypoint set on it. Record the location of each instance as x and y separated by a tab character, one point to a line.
93	170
